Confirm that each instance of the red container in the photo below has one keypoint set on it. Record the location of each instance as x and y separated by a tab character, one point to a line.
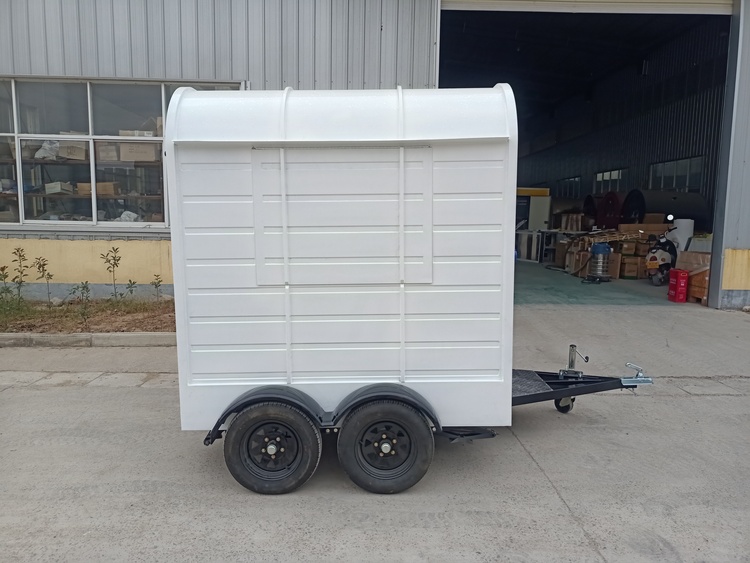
677	295
678	279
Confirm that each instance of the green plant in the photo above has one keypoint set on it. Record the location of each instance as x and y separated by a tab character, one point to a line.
19	280
112	260
130	288
6	293
82	294
41	267
157	281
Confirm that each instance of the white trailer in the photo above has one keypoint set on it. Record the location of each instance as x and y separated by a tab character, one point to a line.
343	262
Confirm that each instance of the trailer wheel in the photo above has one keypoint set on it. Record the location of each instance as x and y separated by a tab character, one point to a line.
385	446
272	448
565	405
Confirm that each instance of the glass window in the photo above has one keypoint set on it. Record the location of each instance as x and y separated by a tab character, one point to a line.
52	108
695	179
6	107
169	89
669	174
53	171
126	109
681	174
129	184
8	184
657	176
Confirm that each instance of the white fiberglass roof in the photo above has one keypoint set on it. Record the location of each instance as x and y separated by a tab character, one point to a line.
341	115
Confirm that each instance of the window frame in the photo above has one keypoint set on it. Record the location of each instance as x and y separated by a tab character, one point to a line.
94	225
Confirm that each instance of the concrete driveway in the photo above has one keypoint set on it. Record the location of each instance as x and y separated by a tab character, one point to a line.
94	466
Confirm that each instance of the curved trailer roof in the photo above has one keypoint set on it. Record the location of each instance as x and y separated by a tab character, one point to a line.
361	116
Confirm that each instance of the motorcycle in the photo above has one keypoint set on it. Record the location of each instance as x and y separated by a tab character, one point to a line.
661	257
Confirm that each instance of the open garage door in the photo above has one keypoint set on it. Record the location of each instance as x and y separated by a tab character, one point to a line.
612	108
706	7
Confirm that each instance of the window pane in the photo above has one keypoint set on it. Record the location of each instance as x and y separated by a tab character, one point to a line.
169	89
681	175
695	180
656	172
669	174
52	107
8	184
129	185
51	181
126	109
6	107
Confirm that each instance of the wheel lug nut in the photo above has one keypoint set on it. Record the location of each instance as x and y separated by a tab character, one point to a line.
394	441
263	450
266	439
384	436
393	452
273	457
381	454
282	450
375	444
278	439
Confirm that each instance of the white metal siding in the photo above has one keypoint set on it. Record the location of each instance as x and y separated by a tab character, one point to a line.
597	6
305	44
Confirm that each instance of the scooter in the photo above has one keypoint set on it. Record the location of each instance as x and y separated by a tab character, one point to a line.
661	257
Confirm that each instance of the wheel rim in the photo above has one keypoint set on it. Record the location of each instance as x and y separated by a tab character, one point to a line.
270	450
389	457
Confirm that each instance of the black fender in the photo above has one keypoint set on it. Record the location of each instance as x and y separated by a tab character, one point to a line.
389	391
278	393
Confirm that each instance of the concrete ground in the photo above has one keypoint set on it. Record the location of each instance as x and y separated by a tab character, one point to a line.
94	466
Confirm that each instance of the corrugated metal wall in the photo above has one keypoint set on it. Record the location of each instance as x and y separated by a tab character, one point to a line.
635	120
310	44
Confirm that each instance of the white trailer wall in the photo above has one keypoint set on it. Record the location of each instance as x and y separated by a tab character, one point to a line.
334	240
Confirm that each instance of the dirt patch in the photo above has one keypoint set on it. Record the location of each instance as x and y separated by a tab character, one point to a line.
103	316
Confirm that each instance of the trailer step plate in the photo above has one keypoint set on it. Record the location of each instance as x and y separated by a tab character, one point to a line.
527	382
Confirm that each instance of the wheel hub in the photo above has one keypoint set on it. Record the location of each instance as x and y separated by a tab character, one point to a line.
272	447
385	445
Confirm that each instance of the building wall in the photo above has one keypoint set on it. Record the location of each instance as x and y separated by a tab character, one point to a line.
667	110
271	44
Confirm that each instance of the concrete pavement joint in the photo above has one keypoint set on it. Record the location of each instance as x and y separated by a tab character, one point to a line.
588	537
88	340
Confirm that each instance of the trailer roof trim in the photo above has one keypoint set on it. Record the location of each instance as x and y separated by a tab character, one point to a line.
341	116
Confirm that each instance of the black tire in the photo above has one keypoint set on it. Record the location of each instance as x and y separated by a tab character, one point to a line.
565	409
657	280
373	465
285	428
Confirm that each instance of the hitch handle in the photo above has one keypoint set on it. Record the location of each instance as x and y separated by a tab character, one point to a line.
572	353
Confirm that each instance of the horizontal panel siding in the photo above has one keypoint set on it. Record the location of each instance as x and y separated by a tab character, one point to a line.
305	44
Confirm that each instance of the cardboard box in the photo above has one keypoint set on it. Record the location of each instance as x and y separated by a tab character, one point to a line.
648	229
653	218
615	264
102	188
107	152
642	248
570	258
139	152
58	188
582	264
692	261
561	249
135	133
73	150
628	247
107	188
633	268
